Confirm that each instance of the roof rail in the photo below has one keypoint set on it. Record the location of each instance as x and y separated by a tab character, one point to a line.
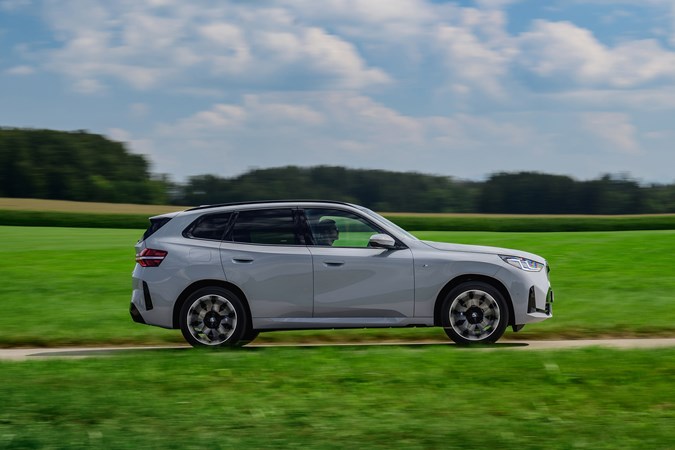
255	202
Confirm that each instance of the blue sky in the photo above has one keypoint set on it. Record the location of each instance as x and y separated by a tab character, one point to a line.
458	88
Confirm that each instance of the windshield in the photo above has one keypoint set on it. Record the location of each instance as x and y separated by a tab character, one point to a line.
388	222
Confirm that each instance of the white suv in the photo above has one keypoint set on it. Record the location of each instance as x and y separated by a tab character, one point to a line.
224	273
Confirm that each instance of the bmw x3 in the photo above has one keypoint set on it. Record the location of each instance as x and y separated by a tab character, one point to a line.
224	273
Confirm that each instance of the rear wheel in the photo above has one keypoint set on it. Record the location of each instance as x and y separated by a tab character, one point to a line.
474	313
214	317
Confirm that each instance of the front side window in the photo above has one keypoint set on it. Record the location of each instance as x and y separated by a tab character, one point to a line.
337	228
265	226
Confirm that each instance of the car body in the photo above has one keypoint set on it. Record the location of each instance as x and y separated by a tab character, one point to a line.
224	273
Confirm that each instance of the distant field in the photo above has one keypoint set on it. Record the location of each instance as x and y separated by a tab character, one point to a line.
349	397
31	204
64	286
52	213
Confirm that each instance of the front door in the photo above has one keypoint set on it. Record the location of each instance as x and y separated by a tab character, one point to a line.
351	279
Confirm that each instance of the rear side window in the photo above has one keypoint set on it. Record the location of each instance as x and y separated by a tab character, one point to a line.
265	226
209	226
155	224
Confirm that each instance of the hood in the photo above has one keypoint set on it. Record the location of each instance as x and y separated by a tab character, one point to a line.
483	249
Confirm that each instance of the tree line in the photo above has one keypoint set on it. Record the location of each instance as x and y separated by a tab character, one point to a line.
88	167
74	165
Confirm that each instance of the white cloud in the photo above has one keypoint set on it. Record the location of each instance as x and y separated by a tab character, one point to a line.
147	45
471	61
614	129
338	128
20	70
496	4
14	5
639	100
141	146
332	56
87	86
375	12
139	110
564	51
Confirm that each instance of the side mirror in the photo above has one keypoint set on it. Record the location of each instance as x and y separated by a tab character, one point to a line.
381	241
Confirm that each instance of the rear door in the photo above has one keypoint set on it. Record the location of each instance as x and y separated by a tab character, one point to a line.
351	279
265	255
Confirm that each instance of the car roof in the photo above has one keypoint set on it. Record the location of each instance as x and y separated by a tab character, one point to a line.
270	202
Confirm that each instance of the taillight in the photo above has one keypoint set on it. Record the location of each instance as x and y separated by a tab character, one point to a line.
150	257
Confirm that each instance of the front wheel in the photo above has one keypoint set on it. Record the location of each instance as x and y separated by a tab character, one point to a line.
474	313
213	317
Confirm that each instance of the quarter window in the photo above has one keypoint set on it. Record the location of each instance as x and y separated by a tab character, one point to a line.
265	226
210	226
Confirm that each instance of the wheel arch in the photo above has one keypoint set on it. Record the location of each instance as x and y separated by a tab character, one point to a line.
466	278
208	283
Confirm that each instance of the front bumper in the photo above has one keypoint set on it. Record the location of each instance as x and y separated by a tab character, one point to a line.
532	302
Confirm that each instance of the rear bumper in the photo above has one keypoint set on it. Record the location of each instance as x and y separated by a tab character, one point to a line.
135	314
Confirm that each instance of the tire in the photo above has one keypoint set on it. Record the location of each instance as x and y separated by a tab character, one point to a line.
213	317
474	313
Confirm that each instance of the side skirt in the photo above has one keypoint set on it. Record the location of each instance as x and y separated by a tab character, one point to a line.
303	323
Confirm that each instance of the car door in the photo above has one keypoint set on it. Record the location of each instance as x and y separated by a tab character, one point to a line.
351	279
265	255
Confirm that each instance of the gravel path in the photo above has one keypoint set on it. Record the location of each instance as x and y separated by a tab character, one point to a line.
23	354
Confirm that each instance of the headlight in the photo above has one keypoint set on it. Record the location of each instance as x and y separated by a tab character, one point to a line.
523	263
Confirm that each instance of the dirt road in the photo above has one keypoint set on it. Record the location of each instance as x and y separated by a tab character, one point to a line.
23	354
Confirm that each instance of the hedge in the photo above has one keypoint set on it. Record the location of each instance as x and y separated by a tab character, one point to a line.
408	222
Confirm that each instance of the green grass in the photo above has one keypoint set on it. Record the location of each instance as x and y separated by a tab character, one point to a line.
507	223
366	397
66	286
73	219
606	283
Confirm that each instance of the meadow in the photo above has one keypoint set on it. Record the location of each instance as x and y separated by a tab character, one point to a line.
71	286
413	397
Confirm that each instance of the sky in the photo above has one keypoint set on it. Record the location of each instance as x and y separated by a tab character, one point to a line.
455	88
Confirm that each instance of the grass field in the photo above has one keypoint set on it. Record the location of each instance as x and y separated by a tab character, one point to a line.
64	286
367	397
71	286
34	204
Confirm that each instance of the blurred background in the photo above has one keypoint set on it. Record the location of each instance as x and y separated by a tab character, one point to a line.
86	167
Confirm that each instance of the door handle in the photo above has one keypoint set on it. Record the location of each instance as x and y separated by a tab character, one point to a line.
242	260
333	263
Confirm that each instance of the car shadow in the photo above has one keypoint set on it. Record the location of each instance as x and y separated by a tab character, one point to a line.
84	353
